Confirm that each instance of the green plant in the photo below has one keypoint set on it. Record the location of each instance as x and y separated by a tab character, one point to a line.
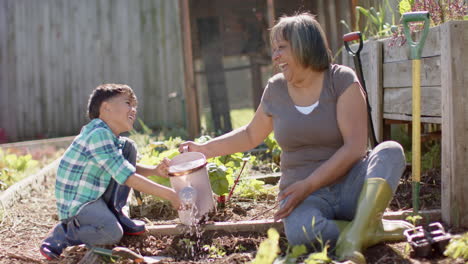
375	24
458	247
214	251
269	248
254	189
414	219
275	150
14	167
440	11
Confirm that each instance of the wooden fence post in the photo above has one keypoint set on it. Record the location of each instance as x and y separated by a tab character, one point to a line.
454	76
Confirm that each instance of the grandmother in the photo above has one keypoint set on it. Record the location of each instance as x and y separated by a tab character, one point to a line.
332	188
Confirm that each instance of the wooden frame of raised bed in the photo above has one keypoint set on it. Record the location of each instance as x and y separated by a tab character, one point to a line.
444	97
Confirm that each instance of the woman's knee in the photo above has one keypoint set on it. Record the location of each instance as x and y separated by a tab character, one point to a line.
392	152
307	230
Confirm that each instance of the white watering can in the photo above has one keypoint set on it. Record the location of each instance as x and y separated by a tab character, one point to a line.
189	178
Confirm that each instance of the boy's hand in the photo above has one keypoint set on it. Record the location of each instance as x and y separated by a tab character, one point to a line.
163	168
175	201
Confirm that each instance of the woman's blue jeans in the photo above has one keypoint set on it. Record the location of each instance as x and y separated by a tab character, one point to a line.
313	220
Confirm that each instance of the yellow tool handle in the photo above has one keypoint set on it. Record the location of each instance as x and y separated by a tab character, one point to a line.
416	150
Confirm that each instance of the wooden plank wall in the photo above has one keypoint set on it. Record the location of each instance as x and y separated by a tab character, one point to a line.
454	79
54	53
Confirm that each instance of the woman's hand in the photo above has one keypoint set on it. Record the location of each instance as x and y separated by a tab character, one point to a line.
163	168
295	194
191	146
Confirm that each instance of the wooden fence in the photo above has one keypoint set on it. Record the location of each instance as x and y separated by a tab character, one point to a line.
53	53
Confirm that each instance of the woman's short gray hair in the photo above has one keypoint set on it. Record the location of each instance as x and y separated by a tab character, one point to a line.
308	41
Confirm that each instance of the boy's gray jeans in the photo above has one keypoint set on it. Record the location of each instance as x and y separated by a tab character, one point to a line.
339	201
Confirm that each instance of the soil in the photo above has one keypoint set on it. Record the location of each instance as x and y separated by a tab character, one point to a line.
24	225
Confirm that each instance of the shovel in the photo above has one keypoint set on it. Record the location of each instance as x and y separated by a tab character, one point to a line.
415	56
126	253
357	64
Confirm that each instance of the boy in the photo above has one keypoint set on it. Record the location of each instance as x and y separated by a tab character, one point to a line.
95	175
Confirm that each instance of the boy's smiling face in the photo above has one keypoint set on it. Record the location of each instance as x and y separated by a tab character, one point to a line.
119	113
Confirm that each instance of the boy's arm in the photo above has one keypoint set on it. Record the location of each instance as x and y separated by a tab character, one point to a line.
147	186
159	170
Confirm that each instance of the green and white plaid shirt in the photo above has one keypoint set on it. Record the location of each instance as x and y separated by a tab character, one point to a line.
86	168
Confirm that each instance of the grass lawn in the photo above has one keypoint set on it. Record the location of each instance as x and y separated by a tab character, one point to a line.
239	117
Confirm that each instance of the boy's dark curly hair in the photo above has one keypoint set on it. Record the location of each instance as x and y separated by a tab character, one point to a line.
104	92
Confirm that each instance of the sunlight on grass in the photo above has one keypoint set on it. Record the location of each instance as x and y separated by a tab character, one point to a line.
239	117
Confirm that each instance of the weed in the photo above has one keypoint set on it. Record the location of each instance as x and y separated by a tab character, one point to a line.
458	247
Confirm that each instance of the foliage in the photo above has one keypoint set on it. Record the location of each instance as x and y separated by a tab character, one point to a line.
430	150
268	249
214	251
13	168
252	188
319	257
222	169
375	24
274	149
414	219
440	11
458	247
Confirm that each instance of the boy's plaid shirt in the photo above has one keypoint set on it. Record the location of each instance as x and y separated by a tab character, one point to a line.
87	167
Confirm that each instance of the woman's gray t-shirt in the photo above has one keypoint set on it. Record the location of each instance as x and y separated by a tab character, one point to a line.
306	140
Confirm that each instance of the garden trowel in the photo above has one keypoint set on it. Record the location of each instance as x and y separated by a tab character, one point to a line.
126	253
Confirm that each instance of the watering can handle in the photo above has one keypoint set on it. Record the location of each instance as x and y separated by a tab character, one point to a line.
185	149
416	47
350	37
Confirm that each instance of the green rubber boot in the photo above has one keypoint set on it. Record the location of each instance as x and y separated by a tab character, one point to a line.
367	227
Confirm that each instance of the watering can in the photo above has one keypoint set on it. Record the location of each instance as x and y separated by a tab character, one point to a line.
189	178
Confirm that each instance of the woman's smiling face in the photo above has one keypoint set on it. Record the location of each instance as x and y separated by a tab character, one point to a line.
284	59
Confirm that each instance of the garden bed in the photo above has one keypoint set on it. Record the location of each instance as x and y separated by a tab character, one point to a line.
27	222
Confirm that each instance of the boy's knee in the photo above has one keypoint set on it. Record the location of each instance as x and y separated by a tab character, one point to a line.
103	235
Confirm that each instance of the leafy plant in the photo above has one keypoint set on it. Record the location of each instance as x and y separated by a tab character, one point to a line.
320	257
14	167
274	149
414	219
375	24
253	188
269	248
458	247
440	11
214	251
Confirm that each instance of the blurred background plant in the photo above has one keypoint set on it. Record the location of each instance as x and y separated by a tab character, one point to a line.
14	167
374	20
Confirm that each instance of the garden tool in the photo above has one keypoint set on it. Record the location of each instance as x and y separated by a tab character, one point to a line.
126	253
415	56
425	241
368	228
237	179
357	64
